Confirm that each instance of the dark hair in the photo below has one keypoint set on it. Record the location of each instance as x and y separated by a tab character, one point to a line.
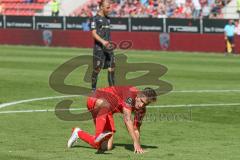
150	94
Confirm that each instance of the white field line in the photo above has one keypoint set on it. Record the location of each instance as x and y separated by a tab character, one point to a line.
69	96
159	106
206	91
34	99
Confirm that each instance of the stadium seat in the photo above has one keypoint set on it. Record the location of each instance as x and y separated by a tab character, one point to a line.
22	7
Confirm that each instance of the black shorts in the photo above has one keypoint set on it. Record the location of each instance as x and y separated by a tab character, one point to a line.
231	39
103	59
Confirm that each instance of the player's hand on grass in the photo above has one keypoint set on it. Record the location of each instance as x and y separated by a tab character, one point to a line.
138	149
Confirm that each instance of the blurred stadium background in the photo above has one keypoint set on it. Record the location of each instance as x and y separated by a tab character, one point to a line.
198	120
125	8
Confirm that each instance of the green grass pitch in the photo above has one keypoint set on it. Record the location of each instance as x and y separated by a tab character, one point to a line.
171	132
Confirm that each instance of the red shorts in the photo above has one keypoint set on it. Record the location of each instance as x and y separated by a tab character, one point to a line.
109	126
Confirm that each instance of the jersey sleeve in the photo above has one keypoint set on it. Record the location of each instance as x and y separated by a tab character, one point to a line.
127	103
138	117
128	97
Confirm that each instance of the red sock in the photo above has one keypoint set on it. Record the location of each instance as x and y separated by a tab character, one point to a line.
100	124
87	138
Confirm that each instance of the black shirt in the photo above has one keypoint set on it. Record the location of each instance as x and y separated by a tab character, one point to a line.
102	26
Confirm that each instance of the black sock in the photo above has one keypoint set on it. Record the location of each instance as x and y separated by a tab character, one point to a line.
111	78
94	79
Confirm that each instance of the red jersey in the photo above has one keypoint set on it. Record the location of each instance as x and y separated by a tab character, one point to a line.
119	97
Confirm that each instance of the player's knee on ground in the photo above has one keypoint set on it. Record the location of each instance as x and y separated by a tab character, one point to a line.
110	143
107	145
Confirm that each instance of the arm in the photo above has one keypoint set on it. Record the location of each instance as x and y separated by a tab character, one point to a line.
138	118
129	124
94	25
98	38
137	132
225	33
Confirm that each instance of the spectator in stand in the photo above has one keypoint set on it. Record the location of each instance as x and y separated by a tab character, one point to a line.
155	4
161	10
238	8
197	9
93	8
29	1
237	28
216	11
179	12
1	9
180	2
170	8
188	9
211	2
144	2
157	8
55	6
121	12
205	11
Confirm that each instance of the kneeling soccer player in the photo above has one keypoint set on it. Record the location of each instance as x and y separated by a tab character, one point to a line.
103	103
